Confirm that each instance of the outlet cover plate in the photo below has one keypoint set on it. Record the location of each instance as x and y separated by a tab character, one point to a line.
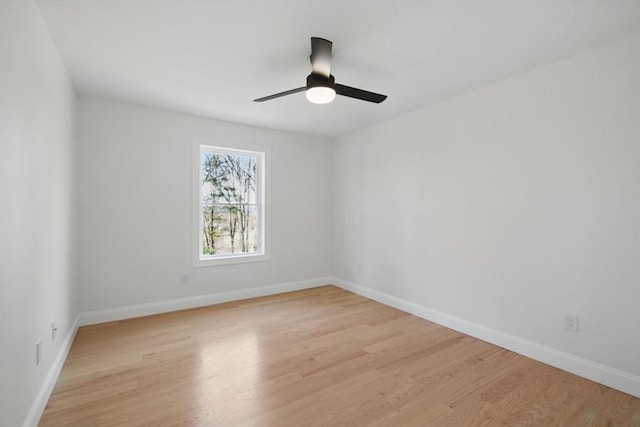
571	322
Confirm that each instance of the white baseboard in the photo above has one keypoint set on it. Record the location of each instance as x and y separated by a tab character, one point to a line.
594	371
40	402
139	310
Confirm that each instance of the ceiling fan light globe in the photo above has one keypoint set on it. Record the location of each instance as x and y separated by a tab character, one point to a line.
320	94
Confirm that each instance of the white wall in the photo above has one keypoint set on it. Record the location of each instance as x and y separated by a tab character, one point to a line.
508	206
37	193
135	206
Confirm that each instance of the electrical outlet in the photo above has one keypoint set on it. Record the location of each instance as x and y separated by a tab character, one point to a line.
359	269
185	279
54	331
571	322
38	354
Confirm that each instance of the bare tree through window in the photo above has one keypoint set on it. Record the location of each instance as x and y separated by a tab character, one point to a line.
230	203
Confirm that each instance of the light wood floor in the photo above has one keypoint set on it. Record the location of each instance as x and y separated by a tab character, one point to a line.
319	357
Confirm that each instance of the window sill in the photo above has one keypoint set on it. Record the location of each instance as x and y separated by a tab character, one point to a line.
231	259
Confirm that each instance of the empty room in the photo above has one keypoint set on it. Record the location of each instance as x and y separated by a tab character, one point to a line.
319	213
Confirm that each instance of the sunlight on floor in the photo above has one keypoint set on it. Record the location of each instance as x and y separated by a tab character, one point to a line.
228	374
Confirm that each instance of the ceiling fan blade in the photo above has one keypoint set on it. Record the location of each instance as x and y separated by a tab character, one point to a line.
278	95
321	56
364	95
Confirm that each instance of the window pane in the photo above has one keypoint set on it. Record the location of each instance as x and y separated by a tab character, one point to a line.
229	229
227	178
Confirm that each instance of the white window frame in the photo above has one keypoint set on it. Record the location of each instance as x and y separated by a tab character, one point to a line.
263	154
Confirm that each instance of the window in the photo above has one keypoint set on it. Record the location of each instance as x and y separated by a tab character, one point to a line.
230	205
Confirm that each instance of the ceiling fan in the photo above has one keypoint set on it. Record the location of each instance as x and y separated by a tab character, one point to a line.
321	86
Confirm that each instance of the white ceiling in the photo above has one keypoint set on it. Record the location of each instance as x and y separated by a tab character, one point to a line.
212	58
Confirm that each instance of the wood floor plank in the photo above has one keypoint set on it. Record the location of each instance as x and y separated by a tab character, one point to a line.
317	357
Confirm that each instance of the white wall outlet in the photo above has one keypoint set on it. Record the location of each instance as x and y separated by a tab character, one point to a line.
38	354
359	269
571	322
185	279
54	331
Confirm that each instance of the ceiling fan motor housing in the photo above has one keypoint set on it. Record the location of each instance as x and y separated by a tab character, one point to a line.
318	80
